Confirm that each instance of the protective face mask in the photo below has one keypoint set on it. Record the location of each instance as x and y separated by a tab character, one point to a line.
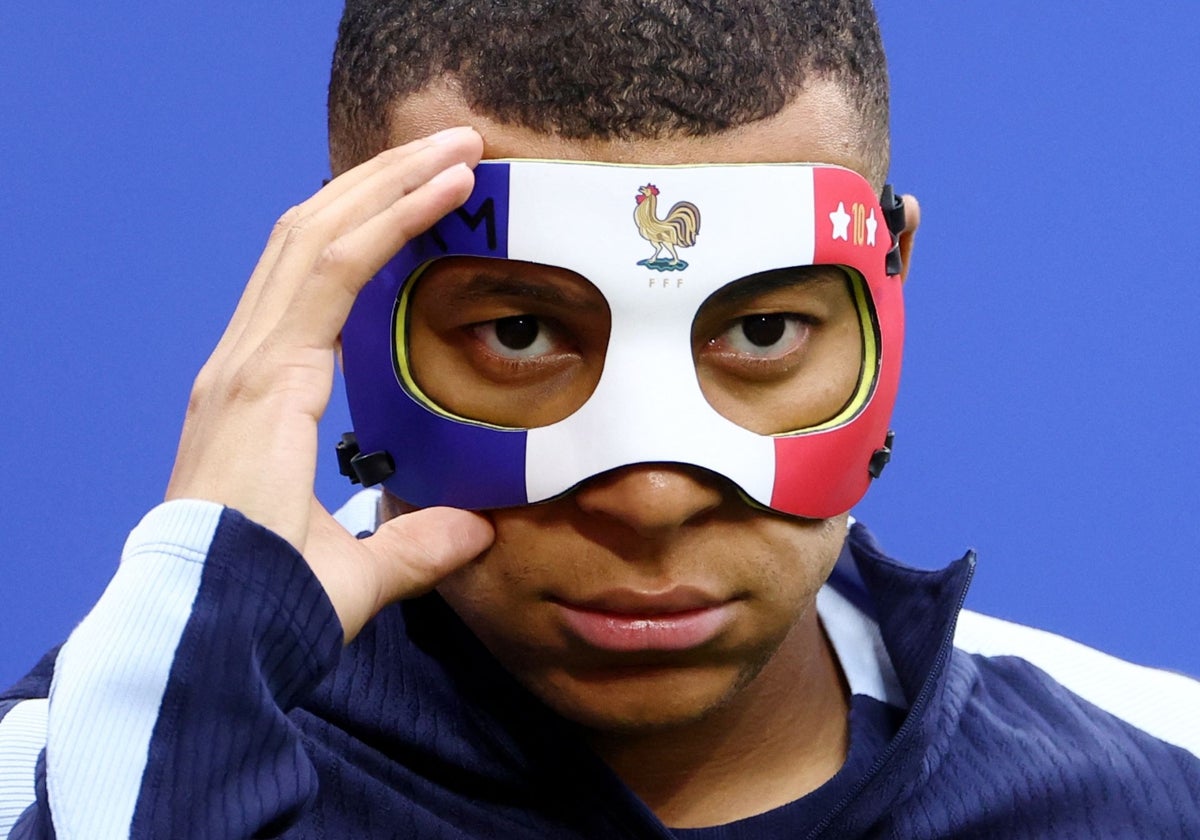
574	318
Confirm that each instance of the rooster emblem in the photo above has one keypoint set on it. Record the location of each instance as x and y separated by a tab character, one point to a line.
678	230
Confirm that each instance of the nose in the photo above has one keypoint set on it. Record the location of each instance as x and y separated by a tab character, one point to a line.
651	499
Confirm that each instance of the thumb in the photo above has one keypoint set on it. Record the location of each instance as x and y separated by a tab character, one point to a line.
412	553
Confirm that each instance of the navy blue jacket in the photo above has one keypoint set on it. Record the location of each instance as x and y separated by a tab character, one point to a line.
208	695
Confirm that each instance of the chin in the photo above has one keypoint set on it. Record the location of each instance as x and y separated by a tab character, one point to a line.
640	700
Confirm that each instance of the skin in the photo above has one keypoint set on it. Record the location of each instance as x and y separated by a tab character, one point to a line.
760	712
249	438
749	721
459	359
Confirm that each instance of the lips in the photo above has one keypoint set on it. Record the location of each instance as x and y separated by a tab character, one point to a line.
628	621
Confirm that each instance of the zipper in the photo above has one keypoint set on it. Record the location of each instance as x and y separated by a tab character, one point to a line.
915	712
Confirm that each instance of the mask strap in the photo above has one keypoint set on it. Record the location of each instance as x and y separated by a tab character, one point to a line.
893	212
366	469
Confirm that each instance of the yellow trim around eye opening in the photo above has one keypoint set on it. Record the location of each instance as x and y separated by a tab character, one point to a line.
869	330
400	360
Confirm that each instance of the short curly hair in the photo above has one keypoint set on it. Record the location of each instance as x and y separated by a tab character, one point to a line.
605	69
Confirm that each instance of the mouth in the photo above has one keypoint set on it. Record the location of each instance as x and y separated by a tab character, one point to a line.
625	621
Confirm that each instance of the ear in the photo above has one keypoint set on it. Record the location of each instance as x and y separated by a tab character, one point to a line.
912	219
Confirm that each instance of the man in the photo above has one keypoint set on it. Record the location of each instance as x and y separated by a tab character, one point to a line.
651	646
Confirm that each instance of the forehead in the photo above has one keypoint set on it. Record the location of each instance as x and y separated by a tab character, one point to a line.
818	125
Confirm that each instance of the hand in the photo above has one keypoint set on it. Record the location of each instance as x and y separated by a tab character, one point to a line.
250	437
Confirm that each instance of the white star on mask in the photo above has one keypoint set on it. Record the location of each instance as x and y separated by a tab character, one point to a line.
841	222
872	223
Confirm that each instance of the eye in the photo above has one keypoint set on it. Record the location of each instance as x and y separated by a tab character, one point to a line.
516	337
764	335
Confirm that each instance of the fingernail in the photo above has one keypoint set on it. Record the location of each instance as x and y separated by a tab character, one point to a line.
449	172
448	134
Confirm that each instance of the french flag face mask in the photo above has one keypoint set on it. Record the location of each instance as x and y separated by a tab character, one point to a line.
574	318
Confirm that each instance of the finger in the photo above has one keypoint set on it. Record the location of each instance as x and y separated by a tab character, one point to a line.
315	253
406	168
319	308
346	201
406	557
398	170
347	180
414	552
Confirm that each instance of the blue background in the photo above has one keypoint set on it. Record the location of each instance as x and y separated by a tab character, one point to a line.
1049	407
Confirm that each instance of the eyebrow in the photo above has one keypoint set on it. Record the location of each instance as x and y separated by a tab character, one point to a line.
755	285
483	286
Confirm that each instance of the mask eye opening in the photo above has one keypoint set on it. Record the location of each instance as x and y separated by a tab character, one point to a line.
788	351
499	343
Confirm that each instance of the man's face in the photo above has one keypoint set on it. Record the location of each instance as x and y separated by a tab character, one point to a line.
653	594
